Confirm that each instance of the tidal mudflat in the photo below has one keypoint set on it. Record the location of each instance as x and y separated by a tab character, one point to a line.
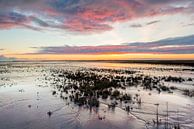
90	95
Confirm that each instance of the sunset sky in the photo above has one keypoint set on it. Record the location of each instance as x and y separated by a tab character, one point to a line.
96	29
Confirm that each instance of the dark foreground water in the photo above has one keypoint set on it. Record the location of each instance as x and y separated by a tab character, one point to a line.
27	98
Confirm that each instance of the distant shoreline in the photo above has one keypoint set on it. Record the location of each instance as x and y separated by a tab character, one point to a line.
169	62
165	62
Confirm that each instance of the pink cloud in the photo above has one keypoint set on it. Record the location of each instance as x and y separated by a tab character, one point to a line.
90	16
7	25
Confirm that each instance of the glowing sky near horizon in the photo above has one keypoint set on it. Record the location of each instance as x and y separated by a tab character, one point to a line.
97	29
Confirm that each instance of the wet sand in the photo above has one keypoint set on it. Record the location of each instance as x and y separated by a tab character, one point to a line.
26	98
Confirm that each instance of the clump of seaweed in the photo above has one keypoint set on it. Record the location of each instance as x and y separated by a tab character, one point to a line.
85	87
188	92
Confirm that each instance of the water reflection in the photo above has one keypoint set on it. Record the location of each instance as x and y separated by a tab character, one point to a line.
27	97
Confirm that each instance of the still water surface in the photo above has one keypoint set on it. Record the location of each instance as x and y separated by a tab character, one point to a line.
26	97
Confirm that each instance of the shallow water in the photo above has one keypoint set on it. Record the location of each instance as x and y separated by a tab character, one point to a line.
26	97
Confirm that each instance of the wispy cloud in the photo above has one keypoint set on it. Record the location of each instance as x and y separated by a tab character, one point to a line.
138	25
153	22
4	58
190	24
84	15
178	45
